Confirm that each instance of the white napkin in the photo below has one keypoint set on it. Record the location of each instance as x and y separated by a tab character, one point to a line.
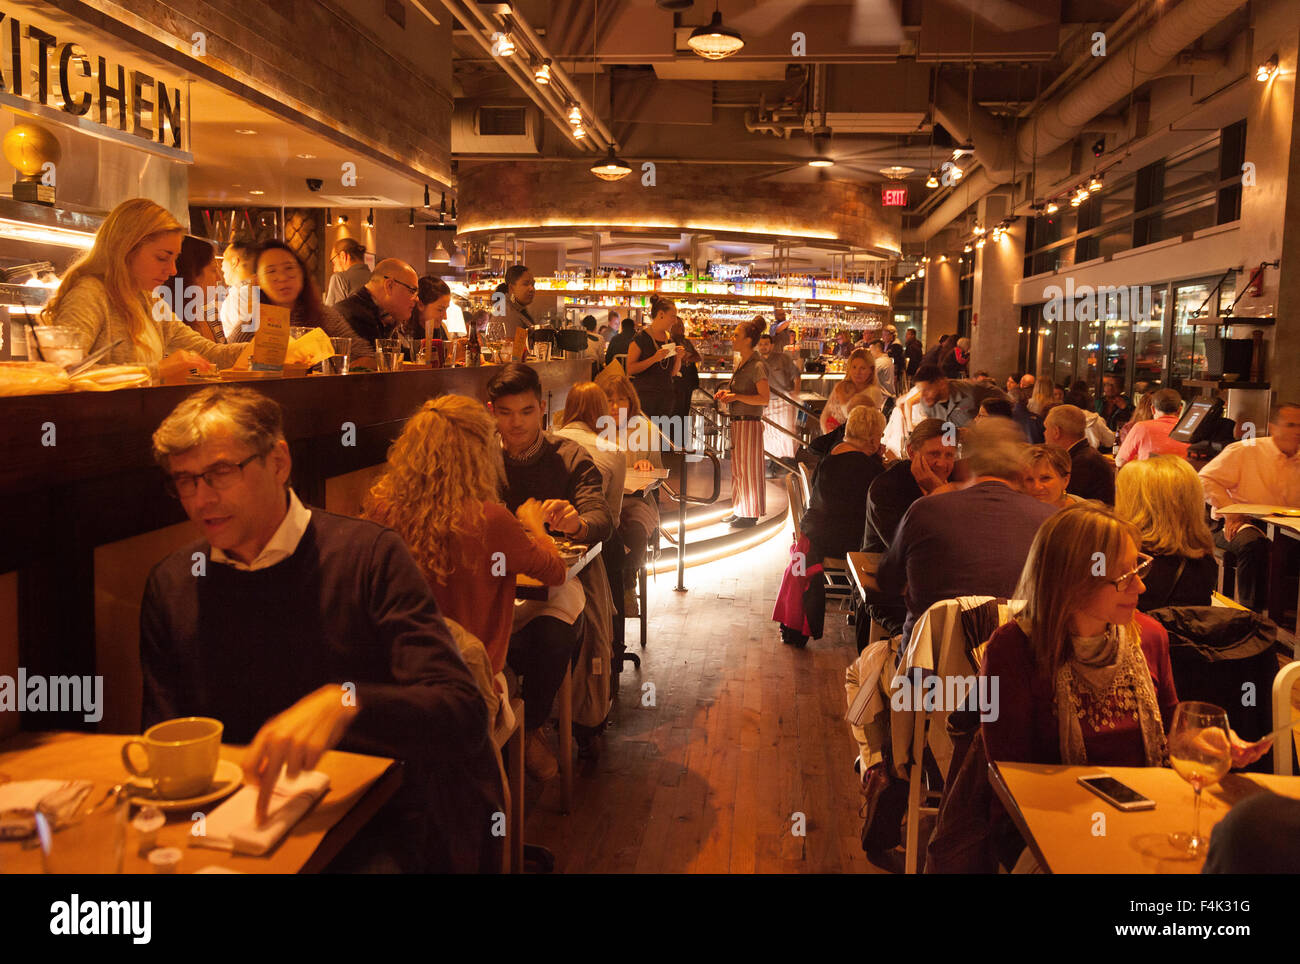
233	825
26	794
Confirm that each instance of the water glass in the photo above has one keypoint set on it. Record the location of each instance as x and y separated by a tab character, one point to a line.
82	834
388	354
60	344
338	363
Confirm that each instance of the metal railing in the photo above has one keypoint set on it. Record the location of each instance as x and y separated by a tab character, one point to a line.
681	497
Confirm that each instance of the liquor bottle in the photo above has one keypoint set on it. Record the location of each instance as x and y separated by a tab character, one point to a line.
473	352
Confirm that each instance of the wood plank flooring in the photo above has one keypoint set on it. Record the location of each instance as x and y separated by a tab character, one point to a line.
723	745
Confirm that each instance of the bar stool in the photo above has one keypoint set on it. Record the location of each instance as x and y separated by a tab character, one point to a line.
510	748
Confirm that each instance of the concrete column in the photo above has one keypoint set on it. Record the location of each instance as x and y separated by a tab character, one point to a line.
1270	209
941	298
995	319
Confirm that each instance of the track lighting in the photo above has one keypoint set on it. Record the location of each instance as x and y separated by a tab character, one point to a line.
1266	70
543	73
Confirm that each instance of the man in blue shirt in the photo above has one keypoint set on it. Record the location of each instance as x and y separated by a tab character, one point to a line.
944	399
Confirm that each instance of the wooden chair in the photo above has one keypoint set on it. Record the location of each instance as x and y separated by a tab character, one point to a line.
510	754
1283	684
805	485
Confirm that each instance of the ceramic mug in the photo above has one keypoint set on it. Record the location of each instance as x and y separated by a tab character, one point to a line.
183	755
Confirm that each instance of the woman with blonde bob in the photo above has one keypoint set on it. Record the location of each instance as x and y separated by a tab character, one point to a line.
439	492
1047	473
1083	677
859	377
837	509
1162	497
108	294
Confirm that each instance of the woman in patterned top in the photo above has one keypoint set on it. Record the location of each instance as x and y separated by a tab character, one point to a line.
1084	678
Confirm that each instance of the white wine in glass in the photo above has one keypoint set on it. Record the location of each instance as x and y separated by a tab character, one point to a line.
1201	753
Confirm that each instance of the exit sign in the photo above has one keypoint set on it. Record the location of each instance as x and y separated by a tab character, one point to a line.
893	197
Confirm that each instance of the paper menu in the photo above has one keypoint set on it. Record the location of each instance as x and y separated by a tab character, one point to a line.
312	348
272	339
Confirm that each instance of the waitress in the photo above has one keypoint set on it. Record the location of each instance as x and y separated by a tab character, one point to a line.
747	397
653	361
108	294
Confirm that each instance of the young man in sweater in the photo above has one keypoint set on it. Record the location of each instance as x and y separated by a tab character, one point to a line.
301	631
559	474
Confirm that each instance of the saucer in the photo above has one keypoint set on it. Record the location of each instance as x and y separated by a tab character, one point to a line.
228	779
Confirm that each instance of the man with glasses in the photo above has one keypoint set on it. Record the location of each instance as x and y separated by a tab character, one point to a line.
384	304
302	630
350	270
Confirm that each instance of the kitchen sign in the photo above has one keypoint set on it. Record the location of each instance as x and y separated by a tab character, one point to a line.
39	68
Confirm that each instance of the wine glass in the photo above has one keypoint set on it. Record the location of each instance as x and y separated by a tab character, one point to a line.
1201	753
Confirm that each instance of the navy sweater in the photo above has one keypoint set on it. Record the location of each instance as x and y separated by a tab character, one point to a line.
350	605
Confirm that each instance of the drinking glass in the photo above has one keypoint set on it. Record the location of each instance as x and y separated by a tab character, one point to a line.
388	354
82	833
60	344
298	331
338	363
543	349
1201	753
504	351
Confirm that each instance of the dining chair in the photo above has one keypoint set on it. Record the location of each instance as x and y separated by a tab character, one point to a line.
1283	713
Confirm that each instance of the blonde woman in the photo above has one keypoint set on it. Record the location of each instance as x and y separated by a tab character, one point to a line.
1047	473
1162	497
639	440
439	493
860	376
108	294
1084	677
1045	394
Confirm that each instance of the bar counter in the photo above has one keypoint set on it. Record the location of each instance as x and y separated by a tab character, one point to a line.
84	513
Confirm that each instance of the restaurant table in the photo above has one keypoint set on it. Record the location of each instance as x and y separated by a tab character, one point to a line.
862	571
1057	816
635	481
359	786
526	587
1279	528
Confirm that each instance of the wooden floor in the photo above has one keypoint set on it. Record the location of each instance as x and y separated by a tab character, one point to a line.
722	747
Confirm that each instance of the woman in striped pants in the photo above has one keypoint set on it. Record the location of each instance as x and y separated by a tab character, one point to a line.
747	397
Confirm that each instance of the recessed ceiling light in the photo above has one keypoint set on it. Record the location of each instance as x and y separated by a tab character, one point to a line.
308	157
256	192
244	130
821	162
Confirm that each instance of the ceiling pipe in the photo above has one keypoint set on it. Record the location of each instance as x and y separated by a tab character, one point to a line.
524	81
597	141
562	75
1123	71
993	148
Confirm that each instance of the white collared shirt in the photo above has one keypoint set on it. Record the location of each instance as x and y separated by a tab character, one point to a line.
1253	471
282	544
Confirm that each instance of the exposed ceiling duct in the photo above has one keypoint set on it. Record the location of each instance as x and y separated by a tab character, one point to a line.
1058	121
1123	71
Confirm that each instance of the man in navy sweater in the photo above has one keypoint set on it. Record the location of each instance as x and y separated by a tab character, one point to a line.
302	630
972	542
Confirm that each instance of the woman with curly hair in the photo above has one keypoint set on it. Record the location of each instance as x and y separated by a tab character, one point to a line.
439	492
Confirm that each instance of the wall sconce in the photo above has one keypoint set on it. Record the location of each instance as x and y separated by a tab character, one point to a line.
1266	70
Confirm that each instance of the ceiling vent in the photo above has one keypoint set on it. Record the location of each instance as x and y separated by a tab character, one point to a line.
479	127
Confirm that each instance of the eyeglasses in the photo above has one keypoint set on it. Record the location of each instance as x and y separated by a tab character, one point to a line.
223	475
1139	572
411	288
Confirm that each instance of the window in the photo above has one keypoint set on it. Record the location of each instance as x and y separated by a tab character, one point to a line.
1232	155
1148	192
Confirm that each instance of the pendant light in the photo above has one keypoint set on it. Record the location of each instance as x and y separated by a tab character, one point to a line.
612	167
715	41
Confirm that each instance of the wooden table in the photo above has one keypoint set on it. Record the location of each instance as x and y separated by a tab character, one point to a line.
862	571
1056	815
526	587
635	482
359	786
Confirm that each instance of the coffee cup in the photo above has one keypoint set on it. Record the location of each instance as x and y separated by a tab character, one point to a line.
182	756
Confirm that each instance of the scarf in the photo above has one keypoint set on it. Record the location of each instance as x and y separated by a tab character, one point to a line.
1108	670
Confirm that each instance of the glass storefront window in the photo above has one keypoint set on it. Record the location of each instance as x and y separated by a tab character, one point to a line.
1148	342
1067	341
1189	340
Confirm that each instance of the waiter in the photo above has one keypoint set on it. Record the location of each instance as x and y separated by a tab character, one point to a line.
520	289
